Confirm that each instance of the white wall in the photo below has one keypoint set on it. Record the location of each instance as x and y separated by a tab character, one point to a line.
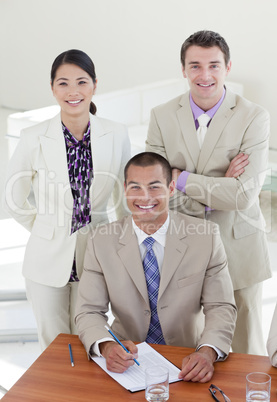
132	42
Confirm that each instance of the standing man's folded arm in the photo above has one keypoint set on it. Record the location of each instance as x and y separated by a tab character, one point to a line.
231	191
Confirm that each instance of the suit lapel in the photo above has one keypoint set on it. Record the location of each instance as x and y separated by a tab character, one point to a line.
175	250
131	259
219	121
54	150
187	126
54	153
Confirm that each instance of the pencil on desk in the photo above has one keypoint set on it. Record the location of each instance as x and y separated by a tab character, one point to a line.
71	355
121	344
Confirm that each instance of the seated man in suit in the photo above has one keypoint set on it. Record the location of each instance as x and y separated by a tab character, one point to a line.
217	144
157	294
272	340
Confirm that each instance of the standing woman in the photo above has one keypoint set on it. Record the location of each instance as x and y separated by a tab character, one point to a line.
73	163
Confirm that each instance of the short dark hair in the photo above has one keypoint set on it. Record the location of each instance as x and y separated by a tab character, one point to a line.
205	39
80	59
144	159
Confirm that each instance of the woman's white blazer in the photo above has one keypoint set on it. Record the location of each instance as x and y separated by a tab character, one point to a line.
38	169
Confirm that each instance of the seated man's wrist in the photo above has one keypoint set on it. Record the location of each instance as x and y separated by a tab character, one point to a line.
103	346
213	351
95	348
209	352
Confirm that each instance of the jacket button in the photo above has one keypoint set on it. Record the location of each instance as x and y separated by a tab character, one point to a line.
147	312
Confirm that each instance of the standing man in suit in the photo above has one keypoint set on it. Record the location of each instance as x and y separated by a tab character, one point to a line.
219	169
118	269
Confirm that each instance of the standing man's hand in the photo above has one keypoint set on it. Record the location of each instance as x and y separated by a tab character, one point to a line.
237	165
175	174
117	359
198	367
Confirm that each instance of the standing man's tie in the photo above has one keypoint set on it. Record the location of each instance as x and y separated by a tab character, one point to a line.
203	121
152	275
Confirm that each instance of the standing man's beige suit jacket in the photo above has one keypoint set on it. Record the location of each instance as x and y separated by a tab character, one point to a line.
194	274
234	202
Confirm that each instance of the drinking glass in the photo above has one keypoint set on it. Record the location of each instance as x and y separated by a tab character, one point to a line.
157	385
258	387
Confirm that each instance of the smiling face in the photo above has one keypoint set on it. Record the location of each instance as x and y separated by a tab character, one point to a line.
205	70
147	194
73	89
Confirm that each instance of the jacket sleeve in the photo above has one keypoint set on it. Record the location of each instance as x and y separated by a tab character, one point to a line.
217	299
18	185
272	340
93	300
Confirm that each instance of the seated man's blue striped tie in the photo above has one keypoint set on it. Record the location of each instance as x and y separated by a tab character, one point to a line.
152	275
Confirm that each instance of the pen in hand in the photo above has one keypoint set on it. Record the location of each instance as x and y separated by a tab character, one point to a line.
121	344
71	355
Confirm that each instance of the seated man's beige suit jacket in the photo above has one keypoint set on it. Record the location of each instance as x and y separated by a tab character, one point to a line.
194	275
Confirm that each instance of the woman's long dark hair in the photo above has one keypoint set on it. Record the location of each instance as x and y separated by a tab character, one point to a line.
80	59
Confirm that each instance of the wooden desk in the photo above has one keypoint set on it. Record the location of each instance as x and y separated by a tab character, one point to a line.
51	377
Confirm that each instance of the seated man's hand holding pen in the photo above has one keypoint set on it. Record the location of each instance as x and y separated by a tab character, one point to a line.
117	359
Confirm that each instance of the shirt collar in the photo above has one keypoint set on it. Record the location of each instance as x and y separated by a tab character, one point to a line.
69	137
197	111
159	236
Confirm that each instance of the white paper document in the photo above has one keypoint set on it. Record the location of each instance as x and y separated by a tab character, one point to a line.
133	378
